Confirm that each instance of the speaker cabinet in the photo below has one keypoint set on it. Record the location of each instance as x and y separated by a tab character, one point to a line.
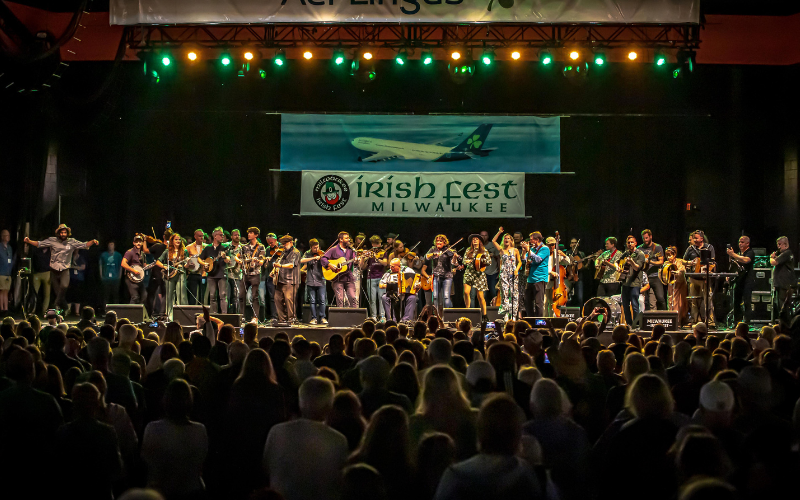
132	312
346	317
452	314
186	315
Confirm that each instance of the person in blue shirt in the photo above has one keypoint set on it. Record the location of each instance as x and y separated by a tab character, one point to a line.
110	268
535	255
6	266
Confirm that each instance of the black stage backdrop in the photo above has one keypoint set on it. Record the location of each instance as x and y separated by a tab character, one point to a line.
202	152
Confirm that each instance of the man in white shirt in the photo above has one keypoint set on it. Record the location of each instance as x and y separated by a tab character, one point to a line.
403	300
304	458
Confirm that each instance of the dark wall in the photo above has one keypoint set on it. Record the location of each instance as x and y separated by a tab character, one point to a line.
198	151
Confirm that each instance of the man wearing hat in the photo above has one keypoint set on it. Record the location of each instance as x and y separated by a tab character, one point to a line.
61	246
253	257
216	280
134	257
288	271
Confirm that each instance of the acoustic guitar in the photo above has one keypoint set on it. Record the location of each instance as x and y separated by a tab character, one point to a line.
208	264
343	265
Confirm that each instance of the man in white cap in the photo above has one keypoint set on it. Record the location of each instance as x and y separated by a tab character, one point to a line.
62	246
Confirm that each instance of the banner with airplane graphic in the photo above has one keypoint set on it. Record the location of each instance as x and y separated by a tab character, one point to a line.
421	143
403	194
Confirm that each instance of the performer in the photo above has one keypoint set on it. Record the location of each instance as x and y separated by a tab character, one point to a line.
536	256
217	284
395	299
375	268
234	271
783	277
697	286
344	283
633	280
194	278
475	261
267	289
654	253
358	272
62	246
744	283
441	265
156	287
287	270
608	260
134	257
574	280
673	275
315	282
510	262
253	256
407	258
6	268
557	259
171	262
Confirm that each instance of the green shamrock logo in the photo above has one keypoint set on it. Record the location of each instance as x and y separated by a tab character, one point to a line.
474	142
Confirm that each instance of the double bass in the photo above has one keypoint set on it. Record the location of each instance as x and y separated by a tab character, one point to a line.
559	291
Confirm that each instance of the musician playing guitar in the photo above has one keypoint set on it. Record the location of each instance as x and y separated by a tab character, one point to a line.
632	279
315	282
696	286
744	283
253	256
344	282
134	257
607	274
395	297
287	269
171	261
214	256
654	297
234	272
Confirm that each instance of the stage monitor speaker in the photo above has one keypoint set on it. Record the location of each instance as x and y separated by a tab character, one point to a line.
762	306
557	322
230	319
186	315
493	313
306	316
132	312
648	319
571	313
453	314
346	317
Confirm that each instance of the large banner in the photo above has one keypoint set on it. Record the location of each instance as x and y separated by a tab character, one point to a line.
401	194
421	143
403	11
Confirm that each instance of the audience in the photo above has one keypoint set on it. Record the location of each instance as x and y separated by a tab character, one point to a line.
418	413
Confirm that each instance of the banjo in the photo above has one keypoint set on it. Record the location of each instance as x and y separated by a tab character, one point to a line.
138	276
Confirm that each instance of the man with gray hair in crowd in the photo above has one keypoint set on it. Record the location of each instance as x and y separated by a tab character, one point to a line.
303	458
127	339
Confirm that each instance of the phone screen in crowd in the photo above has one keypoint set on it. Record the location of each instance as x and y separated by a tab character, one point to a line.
154	324
541	322
490	325
546	358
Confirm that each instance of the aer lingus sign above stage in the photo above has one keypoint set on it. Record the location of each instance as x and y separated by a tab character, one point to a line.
406	11
401	194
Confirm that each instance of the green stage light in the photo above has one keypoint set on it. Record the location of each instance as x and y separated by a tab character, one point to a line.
338	57
427	58
262	74
487	58
546	58
599	58
661	59
401	58
165	61
280	58
225	60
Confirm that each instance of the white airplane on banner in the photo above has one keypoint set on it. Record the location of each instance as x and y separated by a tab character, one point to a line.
469	149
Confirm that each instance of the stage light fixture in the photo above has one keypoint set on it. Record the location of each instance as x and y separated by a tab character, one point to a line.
225	59
307	55
455	55
546	58
363	71
576	72
599	58
686	60
462	70
192	56
166	61
401	58
660	59
516	55
248	56
488	57
632	55
427	58
367	55
338	57
262	74
574	55
279	58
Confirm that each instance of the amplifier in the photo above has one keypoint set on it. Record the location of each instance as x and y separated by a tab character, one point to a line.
762	306
133	312
651	318
763	279
492	313
540	322
346	317
452	314
230	319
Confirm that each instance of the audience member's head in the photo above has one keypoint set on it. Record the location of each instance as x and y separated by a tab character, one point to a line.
315	398
500	425
649	397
